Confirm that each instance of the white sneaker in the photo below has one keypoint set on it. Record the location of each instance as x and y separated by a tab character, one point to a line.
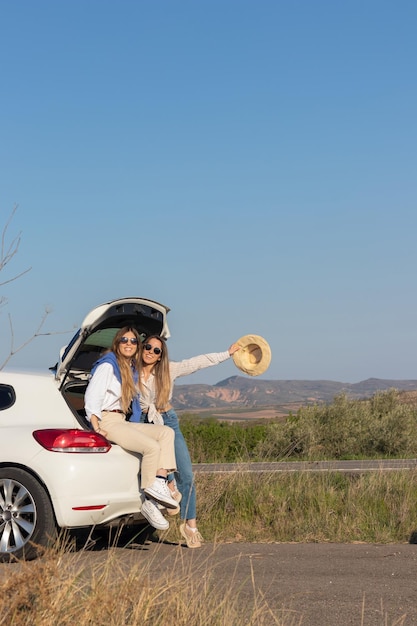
160	492
153	515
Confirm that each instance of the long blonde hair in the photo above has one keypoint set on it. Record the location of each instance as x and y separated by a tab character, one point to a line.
161	373
127	367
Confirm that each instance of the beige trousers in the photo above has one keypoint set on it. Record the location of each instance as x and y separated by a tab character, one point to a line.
154	443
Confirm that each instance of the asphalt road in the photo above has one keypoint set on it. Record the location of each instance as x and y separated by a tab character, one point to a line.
320	584
303	584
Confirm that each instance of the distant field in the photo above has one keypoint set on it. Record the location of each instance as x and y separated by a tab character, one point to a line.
246	414
271	412
250	415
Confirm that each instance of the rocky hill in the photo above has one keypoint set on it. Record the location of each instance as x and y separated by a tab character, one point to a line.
249	393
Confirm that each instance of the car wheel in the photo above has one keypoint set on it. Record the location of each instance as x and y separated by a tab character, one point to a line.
27	522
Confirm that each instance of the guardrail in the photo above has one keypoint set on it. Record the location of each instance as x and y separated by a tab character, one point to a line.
354	467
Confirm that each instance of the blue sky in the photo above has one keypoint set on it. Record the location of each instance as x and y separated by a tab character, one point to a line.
250	164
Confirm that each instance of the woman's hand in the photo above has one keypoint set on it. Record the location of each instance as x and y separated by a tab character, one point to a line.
95	423
233	348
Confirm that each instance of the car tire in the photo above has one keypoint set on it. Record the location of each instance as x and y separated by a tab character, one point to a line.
27	521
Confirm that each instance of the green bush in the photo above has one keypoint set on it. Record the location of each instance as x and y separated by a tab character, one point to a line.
382	426
212	441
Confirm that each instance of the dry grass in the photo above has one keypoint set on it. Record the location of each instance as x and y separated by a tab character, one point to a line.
374	507
67	588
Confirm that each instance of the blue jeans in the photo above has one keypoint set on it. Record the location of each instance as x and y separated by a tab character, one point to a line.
184	474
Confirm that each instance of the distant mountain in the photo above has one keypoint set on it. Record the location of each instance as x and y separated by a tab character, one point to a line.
240	392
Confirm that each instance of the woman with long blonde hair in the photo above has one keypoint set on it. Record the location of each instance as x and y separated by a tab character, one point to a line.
156	382
113	389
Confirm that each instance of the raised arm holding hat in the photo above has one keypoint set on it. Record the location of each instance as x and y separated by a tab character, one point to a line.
156	382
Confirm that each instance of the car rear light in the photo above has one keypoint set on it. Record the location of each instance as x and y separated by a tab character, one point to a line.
71	440
93	507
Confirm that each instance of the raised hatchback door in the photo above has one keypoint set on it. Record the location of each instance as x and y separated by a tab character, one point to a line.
99	327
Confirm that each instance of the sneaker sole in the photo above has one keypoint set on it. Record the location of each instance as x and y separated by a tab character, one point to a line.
170	503
154	524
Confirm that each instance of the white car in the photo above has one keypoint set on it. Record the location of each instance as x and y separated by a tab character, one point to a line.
55	472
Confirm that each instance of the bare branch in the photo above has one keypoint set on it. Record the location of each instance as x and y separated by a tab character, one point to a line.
37	333
14	350
8	251
14	278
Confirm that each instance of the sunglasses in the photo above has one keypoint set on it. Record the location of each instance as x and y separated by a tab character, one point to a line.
148	348
127	339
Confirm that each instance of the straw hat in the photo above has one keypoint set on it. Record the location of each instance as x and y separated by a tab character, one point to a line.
254	355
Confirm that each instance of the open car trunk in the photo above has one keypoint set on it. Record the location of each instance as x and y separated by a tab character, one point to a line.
95	337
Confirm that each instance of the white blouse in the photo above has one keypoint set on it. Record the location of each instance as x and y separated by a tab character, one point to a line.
103	392
177	369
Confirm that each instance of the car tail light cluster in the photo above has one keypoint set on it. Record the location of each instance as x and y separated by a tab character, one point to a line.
71	440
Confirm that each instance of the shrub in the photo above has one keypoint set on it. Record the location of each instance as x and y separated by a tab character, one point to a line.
383	426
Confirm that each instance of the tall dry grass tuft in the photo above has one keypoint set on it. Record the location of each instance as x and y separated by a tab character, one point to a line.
306	506
119	590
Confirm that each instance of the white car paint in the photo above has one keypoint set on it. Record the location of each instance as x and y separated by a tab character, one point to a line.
83	488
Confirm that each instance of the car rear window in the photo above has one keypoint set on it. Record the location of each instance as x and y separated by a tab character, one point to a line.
7	396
